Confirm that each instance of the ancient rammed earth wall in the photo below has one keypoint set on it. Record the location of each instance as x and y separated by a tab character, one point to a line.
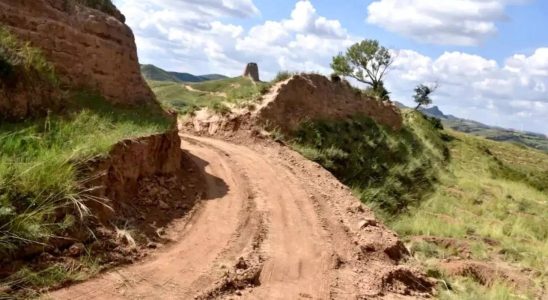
88	48
314	97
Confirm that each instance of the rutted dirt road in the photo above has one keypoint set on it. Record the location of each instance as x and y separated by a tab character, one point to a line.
274	226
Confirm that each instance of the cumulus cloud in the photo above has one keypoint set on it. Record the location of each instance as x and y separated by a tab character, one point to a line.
511	95
193	36
304	42
451	22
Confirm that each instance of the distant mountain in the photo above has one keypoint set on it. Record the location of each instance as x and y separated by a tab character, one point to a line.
151	72
530	139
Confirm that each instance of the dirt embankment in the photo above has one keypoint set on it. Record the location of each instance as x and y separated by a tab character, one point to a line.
312	97
88	48
291	102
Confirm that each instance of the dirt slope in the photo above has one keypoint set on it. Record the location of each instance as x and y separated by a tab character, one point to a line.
273	226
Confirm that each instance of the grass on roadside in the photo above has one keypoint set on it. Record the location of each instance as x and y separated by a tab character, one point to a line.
40	159
490	196
478	202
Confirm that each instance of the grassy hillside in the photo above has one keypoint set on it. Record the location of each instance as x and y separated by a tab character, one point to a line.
31	151
217	95
153	73
453	197
529	139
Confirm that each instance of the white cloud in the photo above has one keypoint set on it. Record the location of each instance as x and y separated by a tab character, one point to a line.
196	38
304	42
453	22
512	95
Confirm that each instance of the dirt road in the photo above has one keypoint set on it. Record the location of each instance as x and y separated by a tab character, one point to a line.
274	226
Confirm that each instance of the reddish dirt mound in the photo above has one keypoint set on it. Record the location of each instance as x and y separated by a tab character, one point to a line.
311	97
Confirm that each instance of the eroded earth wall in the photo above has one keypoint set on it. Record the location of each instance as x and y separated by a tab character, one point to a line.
88	48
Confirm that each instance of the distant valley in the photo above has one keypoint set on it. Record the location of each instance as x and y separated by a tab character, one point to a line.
151	72
530	139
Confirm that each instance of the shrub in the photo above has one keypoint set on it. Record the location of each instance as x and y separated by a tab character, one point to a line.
17	54
282	75
335	78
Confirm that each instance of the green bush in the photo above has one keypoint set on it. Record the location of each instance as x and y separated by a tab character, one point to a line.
102	5
283	75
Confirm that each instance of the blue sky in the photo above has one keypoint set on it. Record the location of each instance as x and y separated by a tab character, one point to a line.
489	56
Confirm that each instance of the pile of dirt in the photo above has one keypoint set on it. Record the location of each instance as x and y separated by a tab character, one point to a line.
487	273
291	102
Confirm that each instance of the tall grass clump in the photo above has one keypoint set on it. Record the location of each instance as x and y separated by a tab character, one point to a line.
19	58
40	161
389	169
282	76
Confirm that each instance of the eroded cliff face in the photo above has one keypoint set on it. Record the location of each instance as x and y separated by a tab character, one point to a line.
314	97
89	48
119	176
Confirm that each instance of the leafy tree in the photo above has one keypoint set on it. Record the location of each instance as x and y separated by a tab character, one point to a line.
422	94
366	62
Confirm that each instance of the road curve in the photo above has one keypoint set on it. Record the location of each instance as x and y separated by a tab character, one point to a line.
268	206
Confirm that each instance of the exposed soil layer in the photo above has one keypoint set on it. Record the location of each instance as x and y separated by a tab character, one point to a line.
274	226
88	48
487	273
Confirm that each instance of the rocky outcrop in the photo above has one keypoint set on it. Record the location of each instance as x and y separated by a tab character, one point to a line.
252	71
313	97
89	48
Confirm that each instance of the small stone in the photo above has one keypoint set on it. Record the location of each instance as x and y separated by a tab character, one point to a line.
367	222
76	249
367	248
241	264
163	205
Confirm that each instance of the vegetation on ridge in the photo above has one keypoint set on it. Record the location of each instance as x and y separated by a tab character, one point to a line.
449	195
20	61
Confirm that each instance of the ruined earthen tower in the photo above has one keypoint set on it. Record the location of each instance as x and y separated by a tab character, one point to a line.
252	71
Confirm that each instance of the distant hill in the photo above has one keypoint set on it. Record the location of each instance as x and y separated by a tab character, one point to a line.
152	72
529	139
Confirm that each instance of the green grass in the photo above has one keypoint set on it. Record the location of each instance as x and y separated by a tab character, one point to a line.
31	282
40	160
217	95
390	170
19	59
491	196
475	201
